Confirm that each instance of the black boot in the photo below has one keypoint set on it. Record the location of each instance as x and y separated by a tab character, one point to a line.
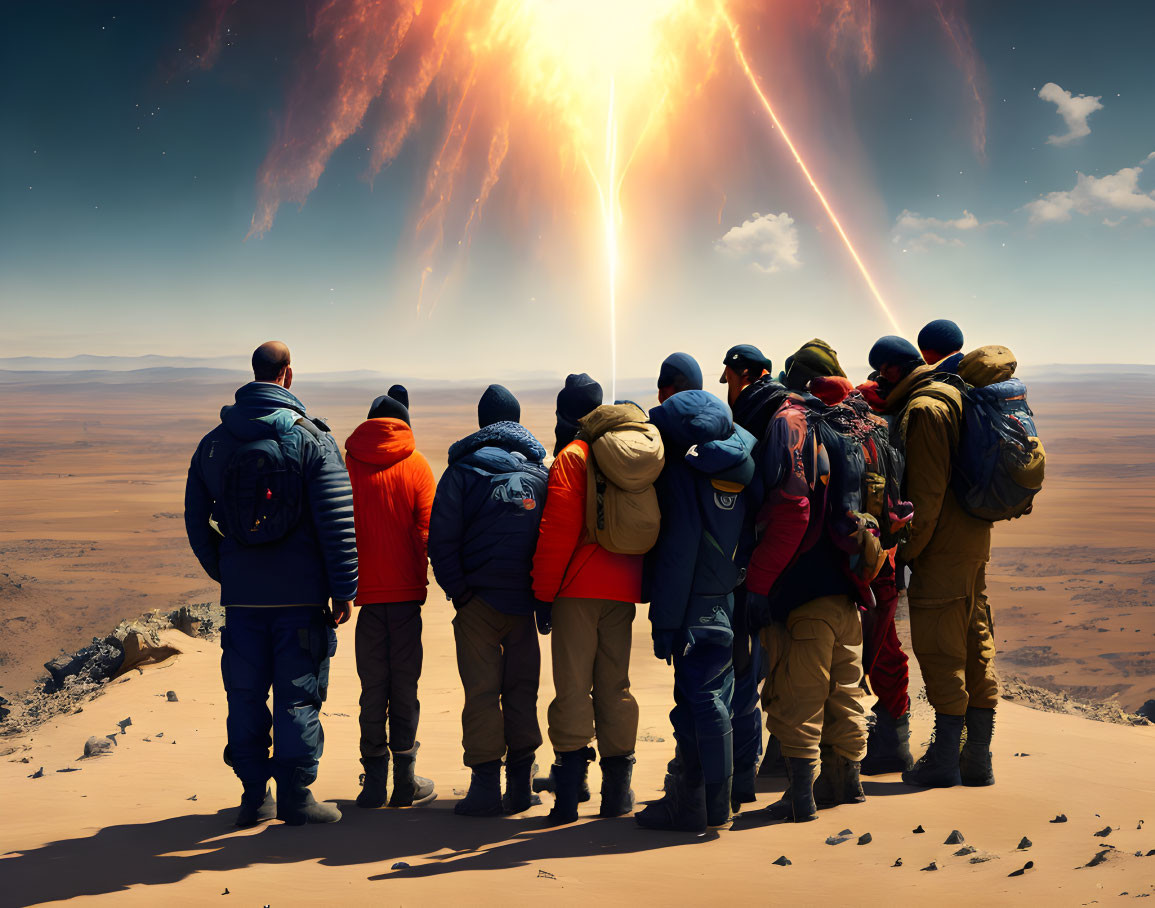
888	744
257	805
797	803
376	778
975	760
839	780
296	804
484	797
773	763
742	789
545	783
681	809
519	770
409	789
939	766
717	796
617	796
568	772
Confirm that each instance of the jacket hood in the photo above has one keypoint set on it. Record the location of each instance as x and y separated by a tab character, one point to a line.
262	410
512	437
699	426
757	404
987	366
382	442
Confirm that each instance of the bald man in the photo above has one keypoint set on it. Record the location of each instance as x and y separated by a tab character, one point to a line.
269	515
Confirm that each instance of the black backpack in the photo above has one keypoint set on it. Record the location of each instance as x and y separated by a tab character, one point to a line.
263	490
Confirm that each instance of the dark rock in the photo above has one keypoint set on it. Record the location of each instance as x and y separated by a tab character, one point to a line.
865	839
1147	711
191	798
846	832
897	862
39	774
965	850
4	710
1098	858
918	830
69	769
1024	842
399	865
1151	853
545	875
98	745
1027	866
226	892
837	839
171	696
783	861
955	838
124	723
983	858
1061	818
931	866
1104	832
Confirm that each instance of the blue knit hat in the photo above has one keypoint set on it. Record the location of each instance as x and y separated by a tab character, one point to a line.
941	336
680	365
400	394
893	351
497	404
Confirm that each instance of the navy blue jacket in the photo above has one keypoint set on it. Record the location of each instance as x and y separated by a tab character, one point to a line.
483	529
691	569
314	562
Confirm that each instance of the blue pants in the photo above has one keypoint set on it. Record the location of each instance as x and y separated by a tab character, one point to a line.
703	692
286	648
747	704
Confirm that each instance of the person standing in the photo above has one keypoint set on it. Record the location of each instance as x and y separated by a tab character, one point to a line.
269	515
679	372
392	496
940	342
482	535
593	593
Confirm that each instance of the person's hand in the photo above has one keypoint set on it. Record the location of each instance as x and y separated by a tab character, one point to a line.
664	644
340	611
543	614
757	611
464	599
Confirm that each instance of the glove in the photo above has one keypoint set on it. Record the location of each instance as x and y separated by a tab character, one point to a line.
543	613
757	611
664	645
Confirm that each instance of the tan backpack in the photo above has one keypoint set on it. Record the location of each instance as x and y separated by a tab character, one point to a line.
626	457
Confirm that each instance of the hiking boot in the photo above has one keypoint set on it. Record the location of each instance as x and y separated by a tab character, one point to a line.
742	788
484	796
376	778
939	766
838	781
617	796
257	805
974	762
887	744
409	789
773	763
797	802
718	796
545	783
681	809
519	772
568	772
296	805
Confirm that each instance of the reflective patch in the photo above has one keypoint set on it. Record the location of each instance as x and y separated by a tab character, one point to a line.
725	500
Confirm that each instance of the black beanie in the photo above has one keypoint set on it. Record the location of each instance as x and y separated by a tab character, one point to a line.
400	394
893	350
497	404
581	395
941	336
385	407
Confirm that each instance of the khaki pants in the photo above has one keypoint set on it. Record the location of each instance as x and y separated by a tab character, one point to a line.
813	694
952	639
500	665
591	675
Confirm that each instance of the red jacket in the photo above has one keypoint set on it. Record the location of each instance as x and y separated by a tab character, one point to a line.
566	564
392	495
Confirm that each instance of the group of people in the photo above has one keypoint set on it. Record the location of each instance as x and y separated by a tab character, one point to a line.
754	597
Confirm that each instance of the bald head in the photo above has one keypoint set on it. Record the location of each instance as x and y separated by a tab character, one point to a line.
271	363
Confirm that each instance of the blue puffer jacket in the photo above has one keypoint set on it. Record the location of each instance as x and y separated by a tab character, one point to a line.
691	570
483	529
317	560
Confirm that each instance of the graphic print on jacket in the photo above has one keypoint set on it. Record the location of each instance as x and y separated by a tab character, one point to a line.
484	525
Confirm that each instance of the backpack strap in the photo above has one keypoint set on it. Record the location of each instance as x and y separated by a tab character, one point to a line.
314	427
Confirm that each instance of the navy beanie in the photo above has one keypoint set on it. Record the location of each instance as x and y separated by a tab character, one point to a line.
386	407
497	404
580	396
893	351
400	394
680	365
941	336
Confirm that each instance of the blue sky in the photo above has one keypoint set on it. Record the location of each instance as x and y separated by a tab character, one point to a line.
127	186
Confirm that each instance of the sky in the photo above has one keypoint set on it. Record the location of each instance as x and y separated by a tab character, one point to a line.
130	176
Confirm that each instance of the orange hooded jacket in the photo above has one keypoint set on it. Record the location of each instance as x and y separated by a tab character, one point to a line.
566	564
392	494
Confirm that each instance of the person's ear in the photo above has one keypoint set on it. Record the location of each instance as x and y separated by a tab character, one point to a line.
288	377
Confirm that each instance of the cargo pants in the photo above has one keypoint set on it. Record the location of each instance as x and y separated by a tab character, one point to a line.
883	658
389	654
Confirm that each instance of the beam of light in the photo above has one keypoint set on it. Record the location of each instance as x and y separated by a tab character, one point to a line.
740	55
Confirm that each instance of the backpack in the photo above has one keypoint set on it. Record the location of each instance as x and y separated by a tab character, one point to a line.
263	490
626	457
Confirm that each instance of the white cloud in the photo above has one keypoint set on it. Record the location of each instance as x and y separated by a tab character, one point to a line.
920	234
768	241
1074	109
912	221
1116	192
